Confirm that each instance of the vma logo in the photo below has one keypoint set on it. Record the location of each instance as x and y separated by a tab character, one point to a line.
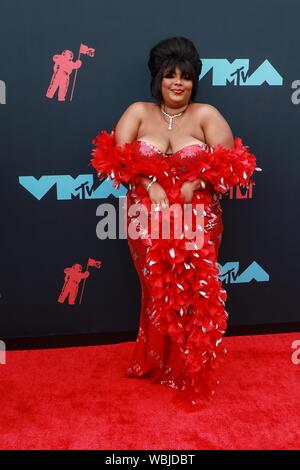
67	187
84	187
230	273
237	73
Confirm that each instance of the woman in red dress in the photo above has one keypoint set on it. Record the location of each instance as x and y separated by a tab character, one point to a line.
176	154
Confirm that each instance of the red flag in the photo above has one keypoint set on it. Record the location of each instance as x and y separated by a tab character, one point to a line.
86	50
94	263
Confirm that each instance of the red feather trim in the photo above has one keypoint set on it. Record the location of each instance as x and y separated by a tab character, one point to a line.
222	167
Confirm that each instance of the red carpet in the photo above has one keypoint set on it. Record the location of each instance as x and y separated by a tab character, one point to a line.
78	398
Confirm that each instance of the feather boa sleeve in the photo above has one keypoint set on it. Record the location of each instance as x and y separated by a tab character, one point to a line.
221	167
121	163
111	160
224	168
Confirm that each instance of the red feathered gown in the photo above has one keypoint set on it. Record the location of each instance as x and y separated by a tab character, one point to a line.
183	315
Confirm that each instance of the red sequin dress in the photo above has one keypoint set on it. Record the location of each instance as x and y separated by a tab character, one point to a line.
183	315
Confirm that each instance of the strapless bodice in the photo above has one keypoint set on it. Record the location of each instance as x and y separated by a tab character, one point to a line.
188	149
222	167
178	162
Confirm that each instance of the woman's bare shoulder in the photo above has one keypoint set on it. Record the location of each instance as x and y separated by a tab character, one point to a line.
128	124
215	127
206	109
136	107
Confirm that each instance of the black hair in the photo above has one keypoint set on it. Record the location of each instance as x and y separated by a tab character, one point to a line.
166	56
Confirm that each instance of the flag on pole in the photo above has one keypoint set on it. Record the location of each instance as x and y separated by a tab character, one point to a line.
83	49
94	263
86	50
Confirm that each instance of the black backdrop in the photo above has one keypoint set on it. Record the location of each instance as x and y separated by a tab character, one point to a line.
49	221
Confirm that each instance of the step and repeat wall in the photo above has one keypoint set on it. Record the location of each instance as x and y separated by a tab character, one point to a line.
70	69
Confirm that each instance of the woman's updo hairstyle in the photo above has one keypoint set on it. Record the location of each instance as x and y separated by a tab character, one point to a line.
169	54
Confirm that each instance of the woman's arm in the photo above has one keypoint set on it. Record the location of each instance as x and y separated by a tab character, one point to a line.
127	127
217	131
126	130
215	127
232	163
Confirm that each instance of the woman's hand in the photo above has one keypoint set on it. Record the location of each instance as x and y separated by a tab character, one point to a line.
158	195
156	192
188	187
187	191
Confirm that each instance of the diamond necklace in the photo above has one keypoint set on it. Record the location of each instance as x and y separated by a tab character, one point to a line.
172	117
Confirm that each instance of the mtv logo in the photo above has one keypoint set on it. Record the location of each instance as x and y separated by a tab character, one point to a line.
242	192
237	73
67	187
229	273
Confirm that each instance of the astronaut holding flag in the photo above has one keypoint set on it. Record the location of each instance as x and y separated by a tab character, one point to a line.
62	69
